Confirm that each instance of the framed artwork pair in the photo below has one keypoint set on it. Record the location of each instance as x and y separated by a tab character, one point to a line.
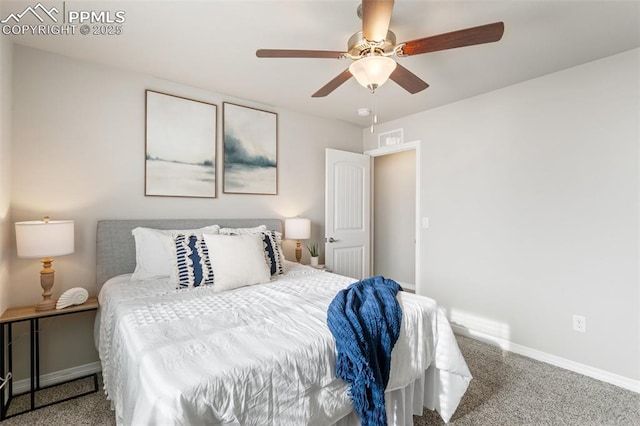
181	148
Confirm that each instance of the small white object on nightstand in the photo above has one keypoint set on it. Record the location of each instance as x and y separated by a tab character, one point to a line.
73	296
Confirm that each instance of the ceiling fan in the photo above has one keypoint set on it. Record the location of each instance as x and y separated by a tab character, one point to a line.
371	50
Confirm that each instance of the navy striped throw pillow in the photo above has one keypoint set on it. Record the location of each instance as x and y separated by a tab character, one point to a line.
192	261
273	251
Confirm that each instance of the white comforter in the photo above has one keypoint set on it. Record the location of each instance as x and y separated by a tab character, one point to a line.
259	355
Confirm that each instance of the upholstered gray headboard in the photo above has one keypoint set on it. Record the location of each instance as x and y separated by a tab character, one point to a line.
116	249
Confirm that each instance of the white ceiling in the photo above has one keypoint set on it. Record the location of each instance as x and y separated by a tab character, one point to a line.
212	44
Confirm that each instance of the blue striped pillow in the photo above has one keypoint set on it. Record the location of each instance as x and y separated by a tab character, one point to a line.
273	251
193	265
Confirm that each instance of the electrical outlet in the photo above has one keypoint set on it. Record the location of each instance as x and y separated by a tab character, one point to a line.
579	323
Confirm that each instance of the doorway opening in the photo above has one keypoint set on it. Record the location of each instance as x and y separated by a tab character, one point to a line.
395	212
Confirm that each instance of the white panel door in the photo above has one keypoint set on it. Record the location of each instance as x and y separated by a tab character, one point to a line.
348	213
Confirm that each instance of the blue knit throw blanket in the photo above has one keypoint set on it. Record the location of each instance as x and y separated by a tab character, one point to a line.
365	320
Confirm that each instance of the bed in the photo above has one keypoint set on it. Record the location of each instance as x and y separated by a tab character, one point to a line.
253	355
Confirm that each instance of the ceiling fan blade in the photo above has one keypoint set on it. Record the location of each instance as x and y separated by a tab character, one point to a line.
376	16
290	53
333	84
408	80
467	37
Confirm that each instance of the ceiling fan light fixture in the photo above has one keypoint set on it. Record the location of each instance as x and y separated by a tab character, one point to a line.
372	71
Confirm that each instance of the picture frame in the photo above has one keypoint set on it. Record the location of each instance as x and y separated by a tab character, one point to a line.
250	150
180	146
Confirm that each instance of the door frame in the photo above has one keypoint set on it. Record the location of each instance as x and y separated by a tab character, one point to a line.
394	149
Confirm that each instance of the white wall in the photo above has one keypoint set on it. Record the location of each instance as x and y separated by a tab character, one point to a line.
6	56
532	194
78	153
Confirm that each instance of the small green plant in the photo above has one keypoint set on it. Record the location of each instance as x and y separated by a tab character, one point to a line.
313	250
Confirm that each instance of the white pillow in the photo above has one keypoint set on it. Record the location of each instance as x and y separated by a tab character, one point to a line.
155	251
275	238
243	231
237	260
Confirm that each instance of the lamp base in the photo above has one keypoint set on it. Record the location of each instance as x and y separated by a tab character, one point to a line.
298	252
46	281
45	305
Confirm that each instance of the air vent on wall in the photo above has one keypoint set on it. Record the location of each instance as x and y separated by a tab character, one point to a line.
393	137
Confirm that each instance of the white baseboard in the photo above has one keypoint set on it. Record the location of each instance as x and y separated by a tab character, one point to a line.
49	379
586	370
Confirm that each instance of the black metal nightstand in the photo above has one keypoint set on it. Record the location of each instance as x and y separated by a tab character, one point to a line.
28	313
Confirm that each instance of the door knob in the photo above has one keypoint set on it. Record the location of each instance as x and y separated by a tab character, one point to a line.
332	240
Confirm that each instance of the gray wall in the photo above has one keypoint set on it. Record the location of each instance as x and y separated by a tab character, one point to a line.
394	213
532	194
78	153
6	55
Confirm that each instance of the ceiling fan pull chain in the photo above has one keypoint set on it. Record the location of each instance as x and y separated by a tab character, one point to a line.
374	116
375	109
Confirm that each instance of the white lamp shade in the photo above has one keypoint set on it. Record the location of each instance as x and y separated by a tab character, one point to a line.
297	228
372	71
41	239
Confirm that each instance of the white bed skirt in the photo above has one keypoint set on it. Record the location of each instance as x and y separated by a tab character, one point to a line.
427	391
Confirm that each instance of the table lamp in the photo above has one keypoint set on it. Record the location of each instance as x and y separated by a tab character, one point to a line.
44	239
297	228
